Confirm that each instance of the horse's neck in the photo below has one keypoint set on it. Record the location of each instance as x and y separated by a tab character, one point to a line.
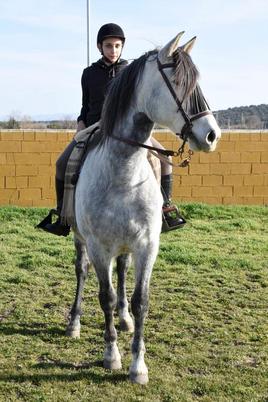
124	159
135	126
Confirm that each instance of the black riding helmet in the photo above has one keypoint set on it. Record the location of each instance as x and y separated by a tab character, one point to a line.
110	30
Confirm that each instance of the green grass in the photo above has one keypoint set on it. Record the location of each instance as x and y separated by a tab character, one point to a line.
207	330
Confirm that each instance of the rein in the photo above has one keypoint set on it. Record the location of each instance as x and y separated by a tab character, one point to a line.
166	152
182	164
161	154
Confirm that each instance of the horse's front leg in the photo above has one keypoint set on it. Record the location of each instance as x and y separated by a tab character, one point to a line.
81	268
108	299
139	304
125	320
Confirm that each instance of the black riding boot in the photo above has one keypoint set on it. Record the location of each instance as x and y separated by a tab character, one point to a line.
171	216
57	227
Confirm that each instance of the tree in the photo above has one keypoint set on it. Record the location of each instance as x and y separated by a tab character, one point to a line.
12	123
253	122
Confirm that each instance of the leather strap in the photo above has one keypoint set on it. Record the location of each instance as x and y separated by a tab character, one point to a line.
166	152
186	130
173	93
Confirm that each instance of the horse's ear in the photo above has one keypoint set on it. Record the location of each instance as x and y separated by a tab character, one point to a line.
187	47
169	49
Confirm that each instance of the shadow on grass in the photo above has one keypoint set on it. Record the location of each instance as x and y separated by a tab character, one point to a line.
46	363
35	328
85	374
72	371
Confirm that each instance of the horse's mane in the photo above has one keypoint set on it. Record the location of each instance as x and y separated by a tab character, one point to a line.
119	94
122	88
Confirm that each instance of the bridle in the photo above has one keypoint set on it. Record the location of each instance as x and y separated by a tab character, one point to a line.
186	131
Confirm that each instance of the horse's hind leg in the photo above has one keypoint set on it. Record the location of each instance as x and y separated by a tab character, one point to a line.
125	320
139	304
81	269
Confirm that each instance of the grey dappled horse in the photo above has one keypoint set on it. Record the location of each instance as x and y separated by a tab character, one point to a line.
118	202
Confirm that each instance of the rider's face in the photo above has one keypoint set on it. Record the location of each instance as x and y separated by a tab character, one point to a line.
111	49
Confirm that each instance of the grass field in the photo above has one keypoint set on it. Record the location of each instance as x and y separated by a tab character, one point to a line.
207	330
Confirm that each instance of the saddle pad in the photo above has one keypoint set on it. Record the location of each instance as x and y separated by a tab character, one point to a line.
86	140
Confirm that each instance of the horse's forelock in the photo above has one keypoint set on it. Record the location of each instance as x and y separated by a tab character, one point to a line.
186	73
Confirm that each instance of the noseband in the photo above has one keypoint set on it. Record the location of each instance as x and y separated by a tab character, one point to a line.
186	131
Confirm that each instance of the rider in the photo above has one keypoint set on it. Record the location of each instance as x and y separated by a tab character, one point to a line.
95	80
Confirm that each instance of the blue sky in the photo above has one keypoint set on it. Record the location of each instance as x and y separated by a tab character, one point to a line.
43	48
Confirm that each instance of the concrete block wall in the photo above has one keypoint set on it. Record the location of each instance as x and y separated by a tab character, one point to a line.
236	173
27	165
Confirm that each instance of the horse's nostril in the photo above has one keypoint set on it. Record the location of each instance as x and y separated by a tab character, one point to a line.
211	136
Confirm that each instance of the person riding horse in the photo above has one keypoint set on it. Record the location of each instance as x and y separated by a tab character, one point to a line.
118	208
95	81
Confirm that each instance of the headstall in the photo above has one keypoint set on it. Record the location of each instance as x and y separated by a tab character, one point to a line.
186	131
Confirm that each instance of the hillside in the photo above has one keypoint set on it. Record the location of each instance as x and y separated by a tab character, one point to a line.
253	117
247	117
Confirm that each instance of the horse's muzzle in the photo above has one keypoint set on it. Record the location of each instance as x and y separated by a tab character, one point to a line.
211	137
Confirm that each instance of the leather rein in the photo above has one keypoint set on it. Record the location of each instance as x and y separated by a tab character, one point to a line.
186	131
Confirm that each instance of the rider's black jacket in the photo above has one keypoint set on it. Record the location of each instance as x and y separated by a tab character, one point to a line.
95	81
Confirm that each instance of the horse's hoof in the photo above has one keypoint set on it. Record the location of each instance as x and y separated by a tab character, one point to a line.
139	378
73	333
127	325
112	365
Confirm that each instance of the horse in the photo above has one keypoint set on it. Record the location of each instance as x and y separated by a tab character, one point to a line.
118	201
